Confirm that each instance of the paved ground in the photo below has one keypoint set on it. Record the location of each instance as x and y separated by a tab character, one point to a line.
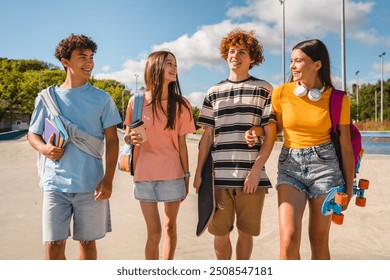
364	235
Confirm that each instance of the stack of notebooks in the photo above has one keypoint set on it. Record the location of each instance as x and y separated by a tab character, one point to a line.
60	135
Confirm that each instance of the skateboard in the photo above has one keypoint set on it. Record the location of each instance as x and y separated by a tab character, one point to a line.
337	199
206	202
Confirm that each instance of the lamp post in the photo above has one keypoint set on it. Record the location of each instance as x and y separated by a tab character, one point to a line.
123	108
381	56
283	43
136	82
343	44
357	95
376	106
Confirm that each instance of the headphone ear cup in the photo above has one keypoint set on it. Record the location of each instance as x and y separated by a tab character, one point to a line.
315	94
300	91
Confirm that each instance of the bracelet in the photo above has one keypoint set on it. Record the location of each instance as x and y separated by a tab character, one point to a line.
187	175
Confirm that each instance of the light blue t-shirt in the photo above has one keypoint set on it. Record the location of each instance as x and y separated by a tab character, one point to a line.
92	110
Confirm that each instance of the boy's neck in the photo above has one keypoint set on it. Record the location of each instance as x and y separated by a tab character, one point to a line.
237	77
72	82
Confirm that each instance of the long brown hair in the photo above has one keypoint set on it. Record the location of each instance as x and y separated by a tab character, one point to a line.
154	77
316	50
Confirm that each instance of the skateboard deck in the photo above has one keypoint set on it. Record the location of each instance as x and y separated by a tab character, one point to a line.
206	202
329	206
336	199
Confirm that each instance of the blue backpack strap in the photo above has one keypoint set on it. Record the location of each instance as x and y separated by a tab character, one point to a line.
335	104
137	115
137	108
49	100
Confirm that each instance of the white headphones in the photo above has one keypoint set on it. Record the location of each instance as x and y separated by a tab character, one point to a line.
314	94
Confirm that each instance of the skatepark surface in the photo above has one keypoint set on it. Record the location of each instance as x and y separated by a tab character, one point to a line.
363	236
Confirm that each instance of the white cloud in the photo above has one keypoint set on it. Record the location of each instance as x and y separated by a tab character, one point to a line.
106	68
127	74
377	67
202	47
196	99
299	13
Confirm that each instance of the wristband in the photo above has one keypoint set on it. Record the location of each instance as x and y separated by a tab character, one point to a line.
187	175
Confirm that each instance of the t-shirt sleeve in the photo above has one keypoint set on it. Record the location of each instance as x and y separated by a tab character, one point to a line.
275	103
37	122
268	113
110	115
129	112
206	116
345	117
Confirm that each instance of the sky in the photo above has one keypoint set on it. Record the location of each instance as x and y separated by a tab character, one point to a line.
126	31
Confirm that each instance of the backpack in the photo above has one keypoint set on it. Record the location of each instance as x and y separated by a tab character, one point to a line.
126	151
335	103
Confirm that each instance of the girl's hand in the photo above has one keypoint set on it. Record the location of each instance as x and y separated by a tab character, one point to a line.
133	138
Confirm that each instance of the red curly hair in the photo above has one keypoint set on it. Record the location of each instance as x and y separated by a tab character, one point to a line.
247	39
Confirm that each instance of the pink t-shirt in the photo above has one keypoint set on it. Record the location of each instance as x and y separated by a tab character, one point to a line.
158	158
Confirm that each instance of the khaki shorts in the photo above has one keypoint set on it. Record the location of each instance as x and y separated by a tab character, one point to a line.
234	202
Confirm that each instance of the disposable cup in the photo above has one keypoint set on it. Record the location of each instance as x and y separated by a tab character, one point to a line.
139	128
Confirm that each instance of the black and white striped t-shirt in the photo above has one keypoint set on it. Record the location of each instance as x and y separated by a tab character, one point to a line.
231	108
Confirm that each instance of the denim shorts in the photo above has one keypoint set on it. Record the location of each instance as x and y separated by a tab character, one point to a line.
314	170
160	191
91	218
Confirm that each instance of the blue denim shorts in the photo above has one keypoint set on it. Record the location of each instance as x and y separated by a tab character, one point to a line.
160	191
91	218
314	170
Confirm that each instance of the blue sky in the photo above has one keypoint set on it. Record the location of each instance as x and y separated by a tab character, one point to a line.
126	31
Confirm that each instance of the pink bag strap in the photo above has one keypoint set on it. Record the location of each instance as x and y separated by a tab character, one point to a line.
335	104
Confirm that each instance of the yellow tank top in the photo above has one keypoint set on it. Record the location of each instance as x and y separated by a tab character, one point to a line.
306	123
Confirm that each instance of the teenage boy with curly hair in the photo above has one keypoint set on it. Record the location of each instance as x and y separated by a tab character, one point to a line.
75	185
230	108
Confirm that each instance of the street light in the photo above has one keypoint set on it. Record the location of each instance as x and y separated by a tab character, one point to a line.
381	56
343	79
123	108
283	43
376	106
357	95
136	82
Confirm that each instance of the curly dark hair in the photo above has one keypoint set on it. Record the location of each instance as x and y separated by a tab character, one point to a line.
74	42
239	37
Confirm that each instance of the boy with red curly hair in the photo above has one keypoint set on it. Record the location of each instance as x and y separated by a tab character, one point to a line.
230	108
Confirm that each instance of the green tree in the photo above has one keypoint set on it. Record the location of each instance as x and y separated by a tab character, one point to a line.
22	80
195	114
366	108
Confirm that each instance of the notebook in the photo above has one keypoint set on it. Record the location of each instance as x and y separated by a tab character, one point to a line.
64	139
49	129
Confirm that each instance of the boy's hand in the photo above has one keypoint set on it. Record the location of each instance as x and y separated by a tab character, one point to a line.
52	152
250	137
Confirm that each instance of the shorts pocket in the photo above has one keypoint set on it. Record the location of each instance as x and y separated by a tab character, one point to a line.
328	154
284	156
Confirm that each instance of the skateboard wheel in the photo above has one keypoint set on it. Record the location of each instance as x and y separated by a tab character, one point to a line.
338	219
361	201
341	198
363	184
